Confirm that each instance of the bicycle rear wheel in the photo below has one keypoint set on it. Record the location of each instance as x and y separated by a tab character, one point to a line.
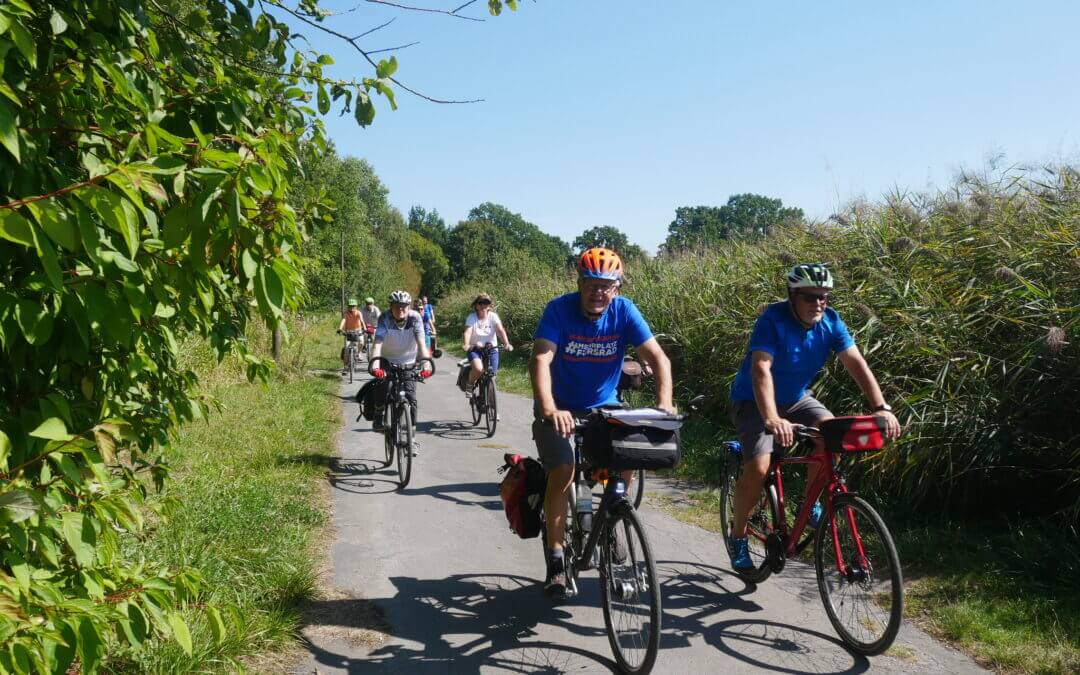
403	441
865	601
476	403
762	522
350	360
630	592
491	410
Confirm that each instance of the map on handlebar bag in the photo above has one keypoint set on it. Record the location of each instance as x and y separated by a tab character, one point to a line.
643	417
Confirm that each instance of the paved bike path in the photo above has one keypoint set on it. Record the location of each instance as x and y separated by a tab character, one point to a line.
430	579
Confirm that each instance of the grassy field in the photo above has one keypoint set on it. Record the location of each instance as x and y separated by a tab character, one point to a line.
248	509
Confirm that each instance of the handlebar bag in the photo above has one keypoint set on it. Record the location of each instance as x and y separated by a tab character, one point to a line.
522	492
624	440
863	433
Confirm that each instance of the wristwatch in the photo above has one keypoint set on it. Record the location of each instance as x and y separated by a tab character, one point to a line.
883	406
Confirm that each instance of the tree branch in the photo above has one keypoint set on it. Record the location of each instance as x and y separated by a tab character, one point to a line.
390	49
425	9
56	193
369	32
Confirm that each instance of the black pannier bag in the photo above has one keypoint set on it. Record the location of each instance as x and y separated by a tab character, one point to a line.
633	439
365	396
463	374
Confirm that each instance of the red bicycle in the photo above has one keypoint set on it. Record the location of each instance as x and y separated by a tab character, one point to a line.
858	569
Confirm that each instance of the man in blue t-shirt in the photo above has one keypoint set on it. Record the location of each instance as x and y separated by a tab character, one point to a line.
789	346
577	359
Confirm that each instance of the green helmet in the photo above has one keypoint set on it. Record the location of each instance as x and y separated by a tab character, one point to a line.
810	275
369	300
352	302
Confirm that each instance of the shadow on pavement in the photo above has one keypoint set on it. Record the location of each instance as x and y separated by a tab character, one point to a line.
361	475
454	430
464	623
695	594
450	493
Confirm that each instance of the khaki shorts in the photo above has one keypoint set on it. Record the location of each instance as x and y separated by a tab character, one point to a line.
750	427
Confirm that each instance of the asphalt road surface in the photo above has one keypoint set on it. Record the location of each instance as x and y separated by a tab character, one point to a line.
430	579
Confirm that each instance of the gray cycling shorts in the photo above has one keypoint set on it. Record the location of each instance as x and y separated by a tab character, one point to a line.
750	427
553	449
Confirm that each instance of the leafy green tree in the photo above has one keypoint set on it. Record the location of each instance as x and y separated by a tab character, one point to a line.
433	265
546	248
608	237
475	247
342	235
428	224
147	155
743	215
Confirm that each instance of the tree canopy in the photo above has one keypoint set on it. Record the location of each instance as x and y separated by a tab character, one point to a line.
608	237
743	215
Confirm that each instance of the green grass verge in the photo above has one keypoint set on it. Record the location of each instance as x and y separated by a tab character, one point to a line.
248	509
1008	595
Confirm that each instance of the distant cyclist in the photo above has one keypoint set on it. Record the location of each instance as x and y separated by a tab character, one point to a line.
789	346
351	324
370	312
482	327
399	338
576	364
427	313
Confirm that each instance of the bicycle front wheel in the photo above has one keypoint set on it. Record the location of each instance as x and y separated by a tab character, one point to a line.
491	409
762	522
403	441
637	488
350	361
630	592
863	589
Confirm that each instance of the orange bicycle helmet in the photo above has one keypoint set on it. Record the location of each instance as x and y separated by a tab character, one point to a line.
600	263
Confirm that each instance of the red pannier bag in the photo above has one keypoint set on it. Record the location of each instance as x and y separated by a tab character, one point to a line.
522	491
863	433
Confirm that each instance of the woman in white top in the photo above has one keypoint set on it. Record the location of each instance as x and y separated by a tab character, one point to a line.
482	327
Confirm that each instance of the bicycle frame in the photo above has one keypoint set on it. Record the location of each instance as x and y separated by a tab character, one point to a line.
614	498
828	483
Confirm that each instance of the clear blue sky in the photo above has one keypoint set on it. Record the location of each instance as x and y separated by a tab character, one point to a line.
615	113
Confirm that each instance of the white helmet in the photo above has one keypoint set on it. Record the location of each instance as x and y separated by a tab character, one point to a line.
400	298
810	275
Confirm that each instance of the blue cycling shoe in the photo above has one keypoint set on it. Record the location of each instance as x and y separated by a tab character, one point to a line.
739	550
815	515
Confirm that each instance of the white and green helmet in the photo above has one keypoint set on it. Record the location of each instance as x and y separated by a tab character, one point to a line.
810	275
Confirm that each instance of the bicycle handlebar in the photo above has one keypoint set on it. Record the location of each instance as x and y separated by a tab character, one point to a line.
694	407
391	366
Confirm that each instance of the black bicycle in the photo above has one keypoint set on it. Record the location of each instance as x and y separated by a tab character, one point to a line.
352	351
613	540
398	425
483	402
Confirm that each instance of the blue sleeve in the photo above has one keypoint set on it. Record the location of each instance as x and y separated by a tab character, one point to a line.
380	330
637	331
841	338
764	338
548	328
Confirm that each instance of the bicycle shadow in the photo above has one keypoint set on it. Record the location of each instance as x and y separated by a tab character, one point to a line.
454	430
461	624
449	492
697	593
361	476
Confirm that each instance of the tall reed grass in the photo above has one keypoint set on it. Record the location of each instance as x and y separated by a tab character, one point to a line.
965	304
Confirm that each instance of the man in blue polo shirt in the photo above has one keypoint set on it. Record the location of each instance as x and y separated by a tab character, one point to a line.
577	359
789	346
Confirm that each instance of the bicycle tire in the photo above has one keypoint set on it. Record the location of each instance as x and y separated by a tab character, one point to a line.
762	522
838	593
475	403
403	440
349	360
370	346
388	435
491	410
623	589
637	488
